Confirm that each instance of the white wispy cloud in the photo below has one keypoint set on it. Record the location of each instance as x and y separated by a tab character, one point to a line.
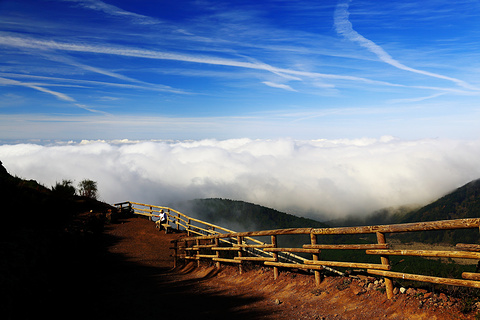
344	27
69	82
112	10
112	74
322	178
58	95
278	85
87	108
160	55
417	99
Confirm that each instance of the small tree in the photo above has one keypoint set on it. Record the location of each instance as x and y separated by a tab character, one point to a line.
88	188
64	188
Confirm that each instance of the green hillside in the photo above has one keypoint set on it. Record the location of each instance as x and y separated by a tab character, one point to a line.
379	217
462	203
244	216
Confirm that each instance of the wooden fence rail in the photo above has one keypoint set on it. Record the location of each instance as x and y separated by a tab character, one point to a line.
221	245
196	227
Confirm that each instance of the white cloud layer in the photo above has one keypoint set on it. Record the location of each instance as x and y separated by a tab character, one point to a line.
317	178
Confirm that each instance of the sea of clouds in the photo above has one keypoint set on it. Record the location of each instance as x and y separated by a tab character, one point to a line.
322	179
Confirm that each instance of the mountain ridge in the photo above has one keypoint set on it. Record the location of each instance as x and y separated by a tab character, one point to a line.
460	203
245	216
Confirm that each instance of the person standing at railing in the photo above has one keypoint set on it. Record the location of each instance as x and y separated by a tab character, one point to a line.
163	218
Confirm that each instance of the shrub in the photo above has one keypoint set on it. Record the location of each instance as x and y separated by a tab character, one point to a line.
88	188
64	188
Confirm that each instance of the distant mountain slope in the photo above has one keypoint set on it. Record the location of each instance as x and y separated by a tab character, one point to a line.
391	215
244	216
463	202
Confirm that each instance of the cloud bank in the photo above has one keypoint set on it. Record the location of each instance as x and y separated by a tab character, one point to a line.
316	178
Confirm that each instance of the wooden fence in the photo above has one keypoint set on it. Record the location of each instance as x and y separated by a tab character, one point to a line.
196	227
206	241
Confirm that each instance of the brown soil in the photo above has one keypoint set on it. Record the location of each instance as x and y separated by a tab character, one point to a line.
140	283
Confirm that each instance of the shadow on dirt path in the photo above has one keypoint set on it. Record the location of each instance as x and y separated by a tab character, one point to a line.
126	273
132	278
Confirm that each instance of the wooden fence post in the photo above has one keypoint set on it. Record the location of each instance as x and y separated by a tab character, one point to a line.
178	219
240	241
313	241
275	256
217	243
385	261
197	242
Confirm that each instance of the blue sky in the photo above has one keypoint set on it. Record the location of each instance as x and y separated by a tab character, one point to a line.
316	108
88	69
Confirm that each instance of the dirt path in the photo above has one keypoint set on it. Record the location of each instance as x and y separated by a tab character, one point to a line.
147	286
138	283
